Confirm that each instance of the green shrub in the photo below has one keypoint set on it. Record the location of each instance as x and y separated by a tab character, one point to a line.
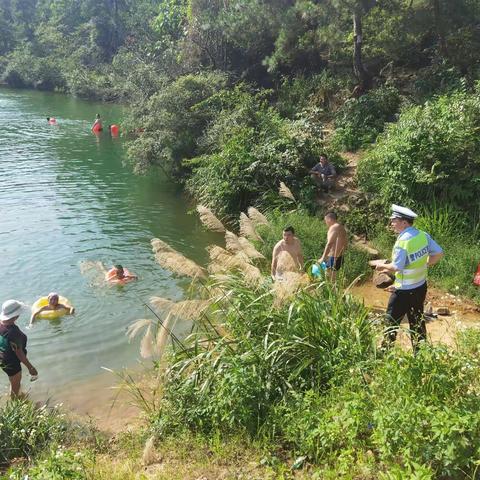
360	120
252	150
58	464
26	430
173	121
231	381
430	155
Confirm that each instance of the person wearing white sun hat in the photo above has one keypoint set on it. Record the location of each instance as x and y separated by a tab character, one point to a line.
413	252
13	343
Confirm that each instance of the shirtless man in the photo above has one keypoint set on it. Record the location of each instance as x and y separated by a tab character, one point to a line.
337	242
287	254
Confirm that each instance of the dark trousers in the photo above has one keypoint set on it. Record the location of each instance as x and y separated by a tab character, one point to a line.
410	303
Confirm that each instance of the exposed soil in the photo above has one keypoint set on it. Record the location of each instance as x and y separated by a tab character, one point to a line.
463	313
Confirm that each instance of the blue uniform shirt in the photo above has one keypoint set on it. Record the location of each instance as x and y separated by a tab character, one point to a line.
399	255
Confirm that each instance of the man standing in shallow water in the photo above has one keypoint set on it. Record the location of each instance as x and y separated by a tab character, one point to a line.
337	242
287	254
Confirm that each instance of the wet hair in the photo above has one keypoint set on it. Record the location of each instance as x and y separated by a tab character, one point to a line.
118	267
97	116
332	215
48	119
289	229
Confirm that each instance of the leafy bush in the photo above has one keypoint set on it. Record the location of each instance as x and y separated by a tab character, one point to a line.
25	430
407	411
323	91
231	380
252	150
24	69
58	464
173	121
430	155
360	120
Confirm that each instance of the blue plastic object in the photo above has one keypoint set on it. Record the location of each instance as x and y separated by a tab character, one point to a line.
317	269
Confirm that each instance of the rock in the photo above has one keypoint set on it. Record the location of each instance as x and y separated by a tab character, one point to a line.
442	311
363	246
374	263
382	280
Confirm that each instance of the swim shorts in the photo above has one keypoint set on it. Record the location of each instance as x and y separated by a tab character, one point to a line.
12	368
334	263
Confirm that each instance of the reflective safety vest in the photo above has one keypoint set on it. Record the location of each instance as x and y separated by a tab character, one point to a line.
417	255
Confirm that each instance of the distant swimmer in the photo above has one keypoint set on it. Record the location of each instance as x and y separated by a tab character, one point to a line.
118	274
13	346
114	130
51	120
97	124
50	307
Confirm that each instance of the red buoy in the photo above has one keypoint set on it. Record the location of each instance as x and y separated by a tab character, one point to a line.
114	130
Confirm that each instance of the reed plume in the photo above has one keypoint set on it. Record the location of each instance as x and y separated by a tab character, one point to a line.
222	257
284	191
162	336
223	262
247	228
209	220
146	345
231	242
135	327
149	456
258	218
174	261
286	288
186	309
160	246
241	245
249	249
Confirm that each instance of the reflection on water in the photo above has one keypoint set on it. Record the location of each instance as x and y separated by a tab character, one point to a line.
66	198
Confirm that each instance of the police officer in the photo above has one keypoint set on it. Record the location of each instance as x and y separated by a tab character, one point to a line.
413	252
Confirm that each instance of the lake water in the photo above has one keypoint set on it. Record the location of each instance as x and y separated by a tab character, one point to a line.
66	198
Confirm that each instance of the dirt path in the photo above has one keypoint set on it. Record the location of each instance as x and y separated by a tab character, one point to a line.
463	313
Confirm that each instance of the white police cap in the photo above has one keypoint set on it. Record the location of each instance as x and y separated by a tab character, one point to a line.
402	212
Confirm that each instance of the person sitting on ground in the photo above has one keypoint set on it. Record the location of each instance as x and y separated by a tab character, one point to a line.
97	124
119	274
287	254
337	241
324	174
53	304
13	344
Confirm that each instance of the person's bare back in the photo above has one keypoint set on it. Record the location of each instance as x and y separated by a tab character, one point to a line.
337	239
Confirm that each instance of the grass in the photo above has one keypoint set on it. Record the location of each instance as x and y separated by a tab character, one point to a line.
312	233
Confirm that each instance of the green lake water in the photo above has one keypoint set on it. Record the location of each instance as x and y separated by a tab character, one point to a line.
66	197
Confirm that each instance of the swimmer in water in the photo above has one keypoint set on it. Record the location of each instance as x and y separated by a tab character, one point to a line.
52	120
119	274
53	304
97	124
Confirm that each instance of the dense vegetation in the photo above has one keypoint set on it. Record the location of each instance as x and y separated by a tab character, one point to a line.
230	98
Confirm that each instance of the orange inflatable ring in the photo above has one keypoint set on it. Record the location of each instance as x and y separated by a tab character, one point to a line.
111	276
